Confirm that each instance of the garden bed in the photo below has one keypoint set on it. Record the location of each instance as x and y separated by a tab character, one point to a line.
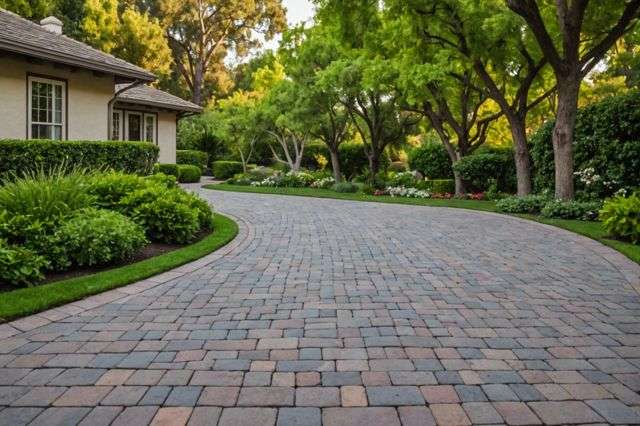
30	300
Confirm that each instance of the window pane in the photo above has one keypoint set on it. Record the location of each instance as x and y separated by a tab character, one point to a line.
57	133
115	132
135	124
149	128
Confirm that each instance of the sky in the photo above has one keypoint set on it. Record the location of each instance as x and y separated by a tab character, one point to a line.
297	11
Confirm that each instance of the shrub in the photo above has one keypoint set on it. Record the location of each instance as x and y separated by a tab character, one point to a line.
226	169
484	168
621	217
323	183
440	186
98	237
401	191
110	188
188	173
345	187
558	209
354	161
161	179
530	204
20	266
401	179
398	166
312	152
432	160
192	157
260	173
606	138
167	169
19	156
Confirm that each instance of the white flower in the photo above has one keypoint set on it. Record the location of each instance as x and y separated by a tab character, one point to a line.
401	191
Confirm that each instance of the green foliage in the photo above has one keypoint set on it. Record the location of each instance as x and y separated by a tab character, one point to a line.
94	237
20	156
437	186
110	188
226	169
354	161
20	266
188	173
530	204
606	139
161	179
621	217
167	169
192	157
407	179
484	168
311	153
558	209
345	187
398	166
432	160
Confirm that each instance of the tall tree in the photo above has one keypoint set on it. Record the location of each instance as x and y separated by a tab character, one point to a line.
202	32
573	36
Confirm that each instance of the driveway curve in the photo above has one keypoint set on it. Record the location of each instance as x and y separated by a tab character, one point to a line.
345	313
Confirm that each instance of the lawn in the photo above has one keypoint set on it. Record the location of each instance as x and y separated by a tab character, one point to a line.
26	301
592	230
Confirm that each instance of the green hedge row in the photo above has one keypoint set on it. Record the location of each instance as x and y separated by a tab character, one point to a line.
226	169
19	156
192	157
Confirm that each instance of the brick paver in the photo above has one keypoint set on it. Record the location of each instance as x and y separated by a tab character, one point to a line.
345	313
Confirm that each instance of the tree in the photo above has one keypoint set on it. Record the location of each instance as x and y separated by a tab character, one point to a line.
573	36
201	32
30	9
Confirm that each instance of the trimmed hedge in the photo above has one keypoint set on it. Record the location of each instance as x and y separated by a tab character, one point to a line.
167	169
487	167
20	156
226	169
188	173
432	160
354	161
192	157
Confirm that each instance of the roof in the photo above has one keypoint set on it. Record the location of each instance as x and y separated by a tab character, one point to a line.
145	95
19	35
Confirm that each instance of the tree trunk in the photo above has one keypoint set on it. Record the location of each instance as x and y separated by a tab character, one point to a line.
460	188
198	79
335	164
521	155
374	165
568	91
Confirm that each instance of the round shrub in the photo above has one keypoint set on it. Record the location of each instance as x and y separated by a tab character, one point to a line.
167	169
530	204
621	217
188	173
432	160
606	139
110	188
192	157
345	187
558	209
99	237
484	168
226	169
20	266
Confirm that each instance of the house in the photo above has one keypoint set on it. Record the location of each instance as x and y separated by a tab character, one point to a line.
54	87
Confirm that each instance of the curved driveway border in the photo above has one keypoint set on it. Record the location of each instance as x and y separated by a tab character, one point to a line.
339	312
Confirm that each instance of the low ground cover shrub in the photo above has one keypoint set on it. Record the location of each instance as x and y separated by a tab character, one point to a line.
432	160
530	204
226	169
345	187
442	186
20	156
192	157
558	209
20	266
621	217
188	173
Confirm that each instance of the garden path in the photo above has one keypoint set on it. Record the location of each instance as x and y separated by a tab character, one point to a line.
345	313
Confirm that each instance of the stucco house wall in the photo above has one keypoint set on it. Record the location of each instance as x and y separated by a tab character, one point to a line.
167	137
88	95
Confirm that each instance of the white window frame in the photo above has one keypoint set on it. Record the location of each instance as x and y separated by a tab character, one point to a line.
63	84
120	115
154	136
127	114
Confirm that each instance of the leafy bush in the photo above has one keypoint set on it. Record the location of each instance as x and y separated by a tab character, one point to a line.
192	157
530	204
621	217
354	161
110	188
323	183
558	209
188	173
440	186
398	166
606	139
226	169
20	156
432	160
161	179
312	152
167	169
20	266
484	168
401	179
98	237
345	187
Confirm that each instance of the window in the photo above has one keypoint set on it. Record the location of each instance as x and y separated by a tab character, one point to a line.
47	108
150	128
134	126
116	124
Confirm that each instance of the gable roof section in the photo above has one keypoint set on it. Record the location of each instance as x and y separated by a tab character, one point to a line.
19	35
145	95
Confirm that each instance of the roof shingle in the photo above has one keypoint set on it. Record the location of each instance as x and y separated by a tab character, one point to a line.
145	95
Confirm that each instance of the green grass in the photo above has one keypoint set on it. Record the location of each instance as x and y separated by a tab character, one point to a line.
592	230
26	301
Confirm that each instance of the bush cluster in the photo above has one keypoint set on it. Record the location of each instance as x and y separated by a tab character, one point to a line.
440	186
354	160
226	169
530	204
192	157
20	156
558	209
489	166
621	217
167	169
54	220
432	160
188	173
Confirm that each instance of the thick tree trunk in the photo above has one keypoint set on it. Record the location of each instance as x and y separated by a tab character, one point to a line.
198	79
374	165
335	164
568	92
460	188
521	155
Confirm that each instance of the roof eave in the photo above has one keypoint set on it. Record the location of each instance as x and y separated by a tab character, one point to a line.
162	105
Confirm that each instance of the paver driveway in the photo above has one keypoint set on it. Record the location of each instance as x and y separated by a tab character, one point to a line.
345	313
